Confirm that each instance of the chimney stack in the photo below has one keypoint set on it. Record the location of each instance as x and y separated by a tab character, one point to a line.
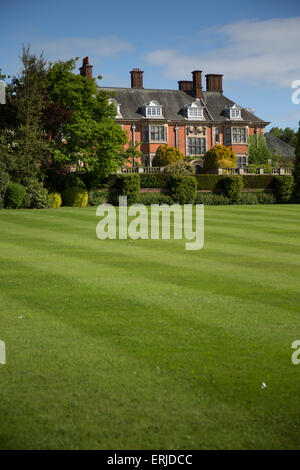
214	82
136	78
185	85
197	83
86	69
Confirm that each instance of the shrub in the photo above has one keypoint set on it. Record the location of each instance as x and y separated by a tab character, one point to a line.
4	180
75	197
232	187
165	154
180	168
183	189
56	200
1	202
285	186
40	198
266	198
97	197
219	156
26	204
211	199
125	185
154	198
14	195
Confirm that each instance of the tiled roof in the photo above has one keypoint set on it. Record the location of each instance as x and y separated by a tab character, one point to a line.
173	102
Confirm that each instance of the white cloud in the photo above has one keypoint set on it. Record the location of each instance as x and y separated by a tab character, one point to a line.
254	51
68	48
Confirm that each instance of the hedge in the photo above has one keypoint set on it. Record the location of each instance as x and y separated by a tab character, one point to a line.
209	182
124	185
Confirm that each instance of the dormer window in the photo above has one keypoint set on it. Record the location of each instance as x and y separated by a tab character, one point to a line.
153	109
194	111
234	112
117	106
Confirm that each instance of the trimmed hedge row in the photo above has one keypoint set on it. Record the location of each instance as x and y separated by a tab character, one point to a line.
209	182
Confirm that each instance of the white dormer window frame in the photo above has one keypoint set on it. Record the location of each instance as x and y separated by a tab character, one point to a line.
153	110
194	111
117	106
234	112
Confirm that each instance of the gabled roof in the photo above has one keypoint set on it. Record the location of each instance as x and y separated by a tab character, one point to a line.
173	102
275	144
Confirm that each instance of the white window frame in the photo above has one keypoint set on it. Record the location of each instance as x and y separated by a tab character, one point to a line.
195	113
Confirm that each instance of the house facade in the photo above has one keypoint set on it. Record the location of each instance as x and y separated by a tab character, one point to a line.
190	118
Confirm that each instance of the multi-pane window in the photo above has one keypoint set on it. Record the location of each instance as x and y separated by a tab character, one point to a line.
241	162
239	135
158	133
153	111
195	112
196	145
217	135
235	113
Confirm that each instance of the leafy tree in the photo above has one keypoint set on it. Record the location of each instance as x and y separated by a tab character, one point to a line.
219	156
165	154
88	131
287	135
23	143
132	153
258	152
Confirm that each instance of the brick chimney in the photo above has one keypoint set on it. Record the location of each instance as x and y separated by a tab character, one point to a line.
136	78
197	83
214	82
185	85
86	69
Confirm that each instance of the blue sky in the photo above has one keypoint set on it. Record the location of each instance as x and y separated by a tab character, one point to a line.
254	44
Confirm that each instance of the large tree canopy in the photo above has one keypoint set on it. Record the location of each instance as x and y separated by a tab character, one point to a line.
54	118
87	131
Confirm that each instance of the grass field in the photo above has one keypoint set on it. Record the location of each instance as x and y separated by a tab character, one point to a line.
124	344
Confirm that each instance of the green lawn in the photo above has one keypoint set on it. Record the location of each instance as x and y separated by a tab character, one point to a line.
141	344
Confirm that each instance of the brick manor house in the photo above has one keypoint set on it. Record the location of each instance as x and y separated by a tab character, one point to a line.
189	118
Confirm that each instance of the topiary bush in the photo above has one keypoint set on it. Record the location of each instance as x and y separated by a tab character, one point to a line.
154	198
219	156
233	186
56	200
97	197
285	187
75	197
165	154
183	189
14	195
125	185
